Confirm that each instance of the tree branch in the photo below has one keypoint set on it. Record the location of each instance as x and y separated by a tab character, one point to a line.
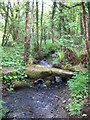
69	7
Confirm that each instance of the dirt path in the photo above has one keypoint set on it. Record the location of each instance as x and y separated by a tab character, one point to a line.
47	102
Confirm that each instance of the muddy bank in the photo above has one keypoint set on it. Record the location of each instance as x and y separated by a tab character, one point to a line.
37	102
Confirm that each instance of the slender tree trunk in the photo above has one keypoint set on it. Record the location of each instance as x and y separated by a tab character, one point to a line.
41	25
88	5
85	28
37	23
88	20
60	17
53	37
17	17
26	37
60	26
81	26
31	23
53	12
4	41
12	22
33	30
45	37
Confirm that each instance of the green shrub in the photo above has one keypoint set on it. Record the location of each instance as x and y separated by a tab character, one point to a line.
49	47
3	110
78	86
61	55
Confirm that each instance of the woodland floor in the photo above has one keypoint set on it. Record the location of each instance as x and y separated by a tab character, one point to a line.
33	102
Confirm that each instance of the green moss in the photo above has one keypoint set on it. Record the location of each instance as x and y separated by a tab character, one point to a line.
18	83
69	67
37	71
48	82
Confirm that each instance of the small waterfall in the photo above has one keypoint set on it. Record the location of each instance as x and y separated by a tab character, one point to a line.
45	63
49	61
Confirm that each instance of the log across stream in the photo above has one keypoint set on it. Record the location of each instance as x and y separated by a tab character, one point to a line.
45	70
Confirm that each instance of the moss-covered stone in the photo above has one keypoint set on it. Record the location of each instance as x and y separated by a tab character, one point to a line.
37	71
19	84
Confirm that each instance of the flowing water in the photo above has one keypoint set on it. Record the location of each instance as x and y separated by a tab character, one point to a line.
49	63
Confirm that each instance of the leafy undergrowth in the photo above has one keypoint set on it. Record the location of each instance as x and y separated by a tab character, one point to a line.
3	110
46	49
78	86
13	57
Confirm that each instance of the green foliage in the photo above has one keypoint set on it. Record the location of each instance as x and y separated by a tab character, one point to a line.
68	67
31	59
78	53
49	47
13	56
75	106
47	82
61	55
78	86
3	110
19	74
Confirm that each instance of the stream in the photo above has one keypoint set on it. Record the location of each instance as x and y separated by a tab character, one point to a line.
49	63
34	102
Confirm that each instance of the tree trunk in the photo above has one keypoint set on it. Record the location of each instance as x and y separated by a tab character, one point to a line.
31	23
88	33
17	17
55	40
60	20
26	37
85	28
53	37
81	27
88	20
53	12
4	41
37	24
45	37
41	25
13	21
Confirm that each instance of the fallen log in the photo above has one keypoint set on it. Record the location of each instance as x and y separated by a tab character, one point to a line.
39	71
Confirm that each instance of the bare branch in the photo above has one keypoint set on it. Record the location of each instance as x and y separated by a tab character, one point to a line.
69	7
